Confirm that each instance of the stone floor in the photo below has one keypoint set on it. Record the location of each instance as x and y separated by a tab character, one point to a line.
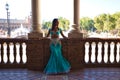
83	74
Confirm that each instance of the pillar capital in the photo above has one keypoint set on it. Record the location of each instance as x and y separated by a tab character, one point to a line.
75	32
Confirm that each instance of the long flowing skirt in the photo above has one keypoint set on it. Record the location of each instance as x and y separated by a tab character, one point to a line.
57	63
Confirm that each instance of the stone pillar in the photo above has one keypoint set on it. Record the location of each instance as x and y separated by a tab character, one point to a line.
36	33
75	33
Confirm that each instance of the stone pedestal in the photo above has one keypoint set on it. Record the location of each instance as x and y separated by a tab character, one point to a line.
75	32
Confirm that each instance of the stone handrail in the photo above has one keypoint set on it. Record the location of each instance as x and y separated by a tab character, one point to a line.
13	53
81	52
86	52
102	52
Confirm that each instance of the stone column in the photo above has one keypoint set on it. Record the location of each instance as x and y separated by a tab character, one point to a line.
36	33
75	33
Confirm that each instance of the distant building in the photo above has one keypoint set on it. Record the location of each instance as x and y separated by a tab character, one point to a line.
14	24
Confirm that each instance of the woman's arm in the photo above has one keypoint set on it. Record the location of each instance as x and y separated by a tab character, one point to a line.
62	34
48	33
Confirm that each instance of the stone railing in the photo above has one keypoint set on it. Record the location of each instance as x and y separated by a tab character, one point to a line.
102	52
13	53
81	53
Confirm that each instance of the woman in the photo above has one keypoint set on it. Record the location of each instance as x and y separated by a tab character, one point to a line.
57	63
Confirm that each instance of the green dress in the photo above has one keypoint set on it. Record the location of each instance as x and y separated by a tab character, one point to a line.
57	63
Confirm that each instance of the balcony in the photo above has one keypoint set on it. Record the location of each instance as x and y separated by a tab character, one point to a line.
90	58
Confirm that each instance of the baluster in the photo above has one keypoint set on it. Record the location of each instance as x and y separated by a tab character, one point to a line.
99	56
24	57
17	52
93	52
106	52
5	58
11	47
0	54
112	45
87	45
118	52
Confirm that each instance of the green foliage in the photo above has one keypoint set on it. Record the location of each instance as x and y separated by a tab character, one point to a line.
86	24
104	22
99	22
116	15
118	24
46	25
63	24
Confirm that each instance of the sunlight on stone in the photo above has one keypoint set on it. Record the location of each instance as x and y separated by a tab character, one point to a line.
5	58
99	56
11	46
118	52
112	45
93	52
0	54
87	52
106	52
24	57
17	52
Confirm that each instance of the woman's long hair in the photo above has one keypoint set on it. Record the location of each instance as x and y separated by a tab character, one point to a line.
54	23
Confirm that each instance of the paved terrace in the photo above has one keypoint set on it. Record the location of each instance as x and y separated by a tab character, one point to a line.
83	74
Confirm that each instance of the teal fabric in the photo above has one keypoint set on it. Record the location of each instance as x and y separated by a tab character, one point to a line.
57	32
57	63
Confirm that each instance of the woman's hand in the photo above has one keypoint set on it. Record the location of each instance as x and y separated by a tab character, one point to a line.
66	37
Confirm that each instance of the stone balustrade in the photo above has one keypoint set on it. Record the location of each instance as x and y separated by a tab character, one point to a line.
80	52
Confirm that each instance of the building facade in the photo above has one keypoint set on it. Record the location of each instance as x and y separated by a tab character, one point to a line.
14	24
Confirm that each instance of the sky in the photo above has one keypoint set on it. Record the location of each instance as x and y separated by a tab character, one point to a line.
92	8
50	9
19	9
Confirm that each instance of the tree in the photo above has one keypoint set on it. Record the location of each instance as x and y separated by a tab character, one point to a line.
109	24
118	24
104	22
46	25
116	17
99	22
87	24
63	24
